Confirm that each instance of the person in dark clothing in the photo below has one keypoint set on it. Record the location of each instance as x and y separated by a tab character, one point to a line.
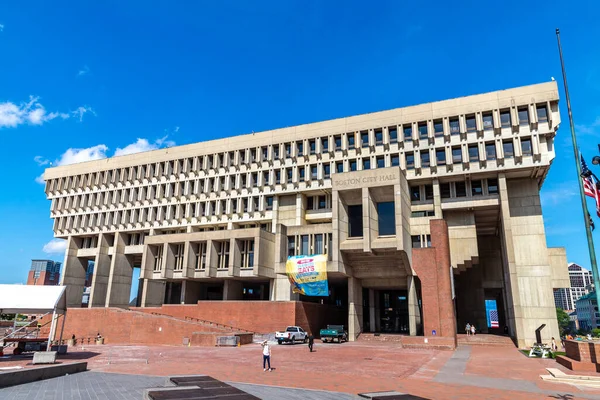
311	341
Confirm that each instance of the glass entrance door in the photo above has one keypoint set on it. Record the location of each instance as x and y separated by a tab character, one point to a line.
393	311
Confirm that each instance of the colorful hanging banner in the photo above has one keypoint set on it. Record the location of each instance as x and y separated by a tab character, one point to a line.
308	274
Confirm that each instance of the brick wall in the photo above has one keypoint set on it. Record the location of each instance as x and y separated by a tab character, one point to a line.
432	266
583	351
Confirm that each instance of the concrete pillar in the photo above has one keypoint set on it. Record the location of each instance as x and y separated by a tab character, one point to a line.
281	289
153	293
235	257
300	209
372	310
73	276
101	274
121	271
414	315
437	198
183	291
355	308
370	228
232	290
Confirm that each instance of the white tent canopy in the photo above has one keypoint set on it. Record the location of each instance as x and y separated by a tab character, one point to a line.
29	299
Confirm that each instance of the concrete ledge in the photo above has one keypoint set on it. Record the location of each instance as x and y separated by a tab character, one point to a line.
27	375
578	366
44	357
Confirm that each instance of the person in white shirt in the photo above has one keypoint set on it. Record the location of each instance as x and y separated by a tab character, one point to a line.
266	355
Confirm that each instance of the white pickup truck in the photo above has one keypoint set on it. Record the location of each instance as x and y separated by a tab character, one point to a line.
291	335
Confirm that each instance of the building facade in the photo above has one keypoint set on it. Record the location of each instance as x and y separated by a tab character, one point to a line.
587	312
425	212
581	283
44	272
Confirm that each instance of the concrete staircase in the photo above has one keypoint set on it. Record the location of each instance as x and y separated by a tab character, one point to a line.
485	340
558	376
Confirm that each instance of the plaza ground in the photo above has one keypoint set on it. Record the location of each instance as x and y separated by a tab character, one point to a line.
494	372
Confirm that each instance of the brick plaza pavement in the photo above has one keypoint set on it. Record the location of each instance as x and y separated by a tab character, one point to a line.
471	372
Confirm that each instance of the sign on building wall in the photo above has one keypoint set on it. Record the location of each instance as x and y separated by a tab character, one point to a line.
308	274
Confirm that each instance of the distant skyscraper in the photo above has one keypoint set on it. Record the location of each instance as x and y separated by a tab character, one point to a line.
44	272
581	281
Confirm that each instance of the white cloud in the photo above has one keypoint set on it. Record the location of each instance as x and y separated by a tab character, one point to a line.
588	129
41	160
40	179
80	111
33	112
557	195
55	246
84	71
73	156
1	28
143	145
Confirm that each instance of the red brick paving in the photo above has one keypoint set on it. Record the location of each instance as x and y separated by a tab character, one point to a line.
349	367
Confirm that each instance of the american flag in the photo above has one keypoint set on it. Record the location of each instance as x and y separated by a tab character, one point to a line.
589	185
494	319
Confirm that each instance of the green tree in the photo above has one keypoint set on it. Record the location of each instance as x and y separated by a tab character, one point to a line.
563	321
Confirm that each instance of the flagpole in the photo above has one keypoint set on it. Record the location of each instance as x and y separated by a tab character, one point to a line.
584	208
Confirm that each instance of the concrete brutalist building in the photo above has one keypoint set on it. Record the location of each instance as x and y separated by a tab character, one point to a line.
425	212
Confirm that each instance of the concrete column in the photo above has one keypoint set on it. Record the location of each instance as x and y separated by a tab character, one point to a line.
414	315
355	308
370	228
235	257
437	198
232	290
73	276
153	293
372	310
281	289
300	209
121	271
275	213
211	258
183	291
101	274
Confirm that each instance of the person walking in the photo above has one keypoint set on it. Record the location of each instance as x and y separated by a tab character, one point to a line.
554	346
468	329
266	355
311	341
473	330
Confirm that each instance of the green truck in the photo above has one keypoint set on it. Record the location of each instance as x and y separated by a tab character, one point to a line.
334	332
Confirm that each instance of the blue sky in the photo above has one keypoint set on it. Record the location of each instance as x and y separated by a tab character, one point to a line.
83	80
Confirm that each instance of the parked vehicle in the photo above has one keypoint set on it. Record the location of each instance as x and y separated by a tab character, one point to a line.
291	335
334	332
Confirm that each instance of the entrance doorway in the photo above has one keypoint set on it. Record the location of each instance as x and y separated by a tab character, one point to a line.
386	311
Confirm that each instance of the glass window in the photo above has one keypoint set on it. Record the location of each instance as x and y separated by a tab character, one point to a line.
380	162
351	142
355	221
304	245
324	144
473	153
410	161
378	137
278	177
488	121
509	151
407	131
276	152
364	139
471	123
322	202
490	151
313	146
523	116
300	147
288	150
314	172
269	202
265	153
492	185
290	174
461	189
393	135
386	216
338	142
428	192
416	241
415	193
542	113
319	244
454	126
505	119
395	160
526	147
366	163
352	165
456	155
291	246
422	130
425	159
326	171
476	188
438	128
440	156
310	203
445	190
339	167
301	173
